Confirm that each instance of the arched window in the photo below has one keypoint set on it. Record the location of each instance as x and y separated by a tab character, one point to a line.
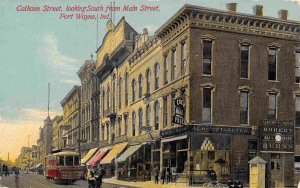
126	88
133	90
133	123
141	86
108	98
157	115
141	120
148	116
120	92
148	75
114	93
156	69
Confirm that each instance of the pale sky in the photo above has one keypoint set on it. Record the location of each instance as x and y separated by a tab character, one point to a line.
37	48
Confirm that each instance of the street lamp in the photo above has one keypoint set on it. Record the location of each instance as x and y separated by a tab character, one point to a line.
28	140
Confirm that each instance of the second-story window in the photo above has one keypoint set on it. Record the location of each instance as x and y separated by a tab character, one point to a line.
157	115
157	70
141	120
133	124
244	107
166	66
183	58
272	63
245	60
141	86
126	88
272	110
297	67
297	109
108	98
120	92
207	57
148	74
148	116
127	130
133	90
174	64
166	116
207	105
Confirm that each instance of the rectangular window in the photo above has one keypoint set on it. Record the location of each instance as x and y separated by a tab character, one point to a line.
165	112
120	93
173	95
297	109
207	57
126	88
272	63
120	127
127	132
166	66
297	68
244	108
174	64
244	61
206	105
183	58
272	111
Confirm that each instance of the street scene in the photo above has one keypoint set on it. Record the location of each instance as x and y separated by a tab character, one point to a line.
138	93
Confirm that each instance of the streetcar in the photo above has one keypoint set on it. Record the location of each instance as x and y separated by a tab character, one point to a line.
63	167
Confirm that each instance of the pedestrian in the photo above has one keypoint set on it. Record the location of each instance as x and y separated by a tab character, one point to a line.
91	178
163	175
212	174
156	174
99	176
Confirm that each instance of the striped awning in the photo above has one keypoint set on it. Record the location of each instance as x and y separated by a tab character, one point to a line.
114	152
88	156
131	150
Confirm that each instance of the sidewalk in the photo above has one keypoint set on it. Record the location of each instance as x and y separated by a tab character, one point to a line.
148	184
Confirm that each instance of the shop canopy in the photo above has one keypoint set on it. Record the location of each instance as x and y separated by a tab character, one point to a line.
94	161
89	155
174	138
114	152
131	150
38	165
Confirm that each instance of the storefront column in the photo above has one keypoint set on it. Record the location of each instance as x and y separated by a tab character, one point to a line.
188	173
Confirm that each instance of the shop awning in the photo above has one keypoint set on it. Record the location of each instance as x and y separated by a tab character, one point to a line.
114	152
128	153
94	161
38	165
174	138
89	155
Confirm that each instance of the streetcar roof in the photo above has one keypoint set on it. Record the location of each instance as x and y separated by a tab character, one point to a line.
65	153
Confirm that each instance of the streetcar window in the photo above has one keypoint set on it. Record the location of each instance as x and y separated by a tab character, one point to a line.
69	161
61	161
76	161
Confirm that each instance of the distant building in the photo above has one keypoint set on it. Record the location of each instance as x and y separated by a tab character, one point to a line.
71	118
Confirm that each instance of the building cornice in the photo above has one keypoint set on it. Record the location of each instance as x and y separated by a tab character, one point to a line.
196	16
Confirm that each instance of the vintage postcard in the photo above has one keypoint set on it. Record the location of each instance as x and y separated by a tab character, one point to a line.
149	93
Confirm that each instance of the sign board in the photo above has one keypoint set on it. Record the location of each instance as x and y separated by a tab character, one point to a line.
146	128
277	136
216	129
178	113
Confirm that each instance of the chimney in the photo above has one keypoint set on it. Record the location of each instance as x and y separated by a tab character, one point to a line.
258	10
283	14
145	31
231	7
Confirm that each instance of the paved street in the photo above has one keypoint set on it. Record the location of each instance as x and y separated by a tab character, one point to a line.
38	181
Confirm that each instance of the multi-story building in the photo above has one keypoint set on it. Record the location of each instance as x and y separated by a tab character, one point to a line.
71	118
89	106
57	122
198	91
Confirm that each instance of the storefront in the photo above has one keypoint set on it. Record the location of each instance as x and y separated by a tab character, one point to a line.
133	164
188	152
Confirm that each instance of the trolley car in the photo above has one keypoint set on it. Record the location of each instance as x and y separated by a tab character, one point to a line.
64	167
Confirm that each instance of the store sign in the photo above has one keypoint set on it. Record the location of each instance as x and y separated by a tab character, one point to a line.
206	129
277	136
178	115
174	132
221	129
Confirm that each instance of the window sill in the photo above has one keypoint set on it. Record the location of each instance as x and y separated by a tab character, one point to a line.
206	75
245	125
273	81
245	78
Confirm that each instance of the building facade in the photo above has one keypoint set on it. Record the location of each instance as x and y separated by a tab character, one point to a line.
89	106
198	90
71	118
